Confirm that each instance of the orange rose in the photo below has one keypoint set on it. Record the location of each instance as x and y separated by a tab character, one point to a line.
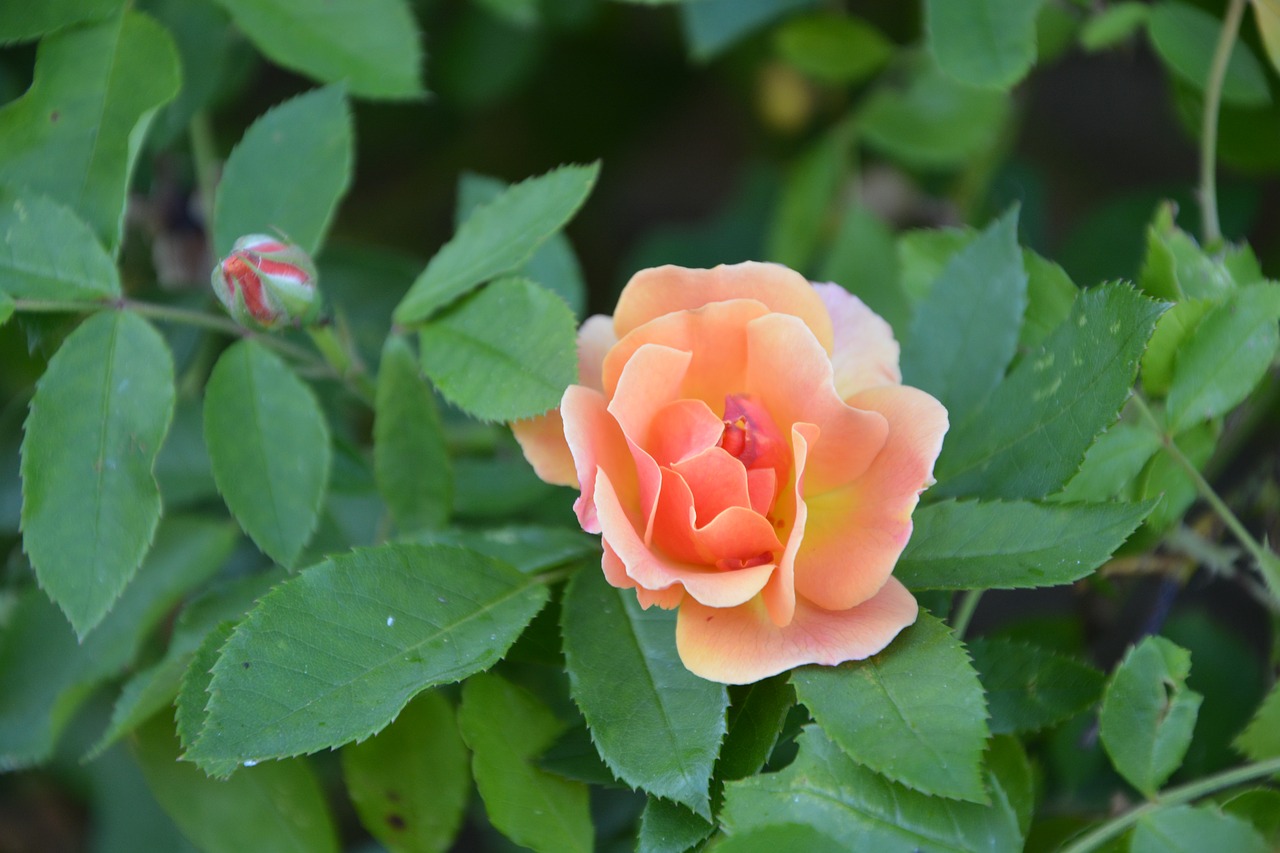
742	441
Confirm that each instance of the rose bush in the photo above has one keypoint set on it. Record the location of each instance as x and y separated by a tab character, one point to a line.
742	441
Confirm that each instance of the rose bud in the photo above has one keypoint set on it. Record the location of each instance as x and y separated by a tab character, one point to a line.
266	283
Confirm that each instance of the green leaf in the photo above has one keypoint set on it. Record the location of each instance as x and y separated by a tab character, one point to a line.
23	21
75	134
1050	295
410	458
1227	355
410	781
666	827
1176	268
49	253
193	696
987	43
574	756
826	790
757	713
527	547
373	47
206	40
1261	808
924	253
278	807
712	26
1028	687
1191	829
1185	39
1113	24
1148	713
505	727
1013	544
780	836
1261	740
504	353
864	261
914	712
833	48
964	333
499	238
332	655
1172	333
1112	466
288	173
1031	435
657	725
811	186
1267	15
268	442
6	307
1163	477
90	501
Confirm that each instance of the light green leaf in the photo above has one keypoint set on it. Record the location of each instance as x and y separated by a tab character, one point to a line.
410	781
666	827
1028	687
47	252
813	182
1014	544
780	836
373	47
1113	24
1185	39
1267	15
1164	478
914	712
833	48
923	254
1192	829
864	261
23	21
965	331
1227	355
528	548
1032	434
415	475
1172	333
268	441
1148	713
90	500
278	807
824	789
504	353
1261	740
1111	467
499	238
987	43
657	725
288	173
1177	268
757	713
337	651
506	727
76	133
1050	295
712	26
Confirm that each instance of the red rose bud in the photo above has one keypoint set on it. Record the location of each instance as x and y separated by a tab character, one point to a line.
266	283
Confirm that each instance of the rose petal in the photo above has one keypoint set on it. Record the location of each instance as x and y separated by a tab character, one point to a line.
762	488
856	533
741	645
717	481
780	593
595	338
616	574
596	441
681	430
865	353
542	441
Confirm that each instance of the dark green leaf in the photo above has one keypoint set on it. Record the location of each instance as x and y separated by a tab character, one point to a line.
529	548
288	173
924	253
1007	545
22	21
499	238
183	469
712	26
410	781
49	253
756	715
332	655
1261	808
666	827
1163	477
987	43
90	500
1261	740
657	725
833	48
914	712
207	45
504	353
1050	294
506	727
1114	24
415	475
1186	37
1192	829
268	441
1112	465
193	695
574	756
811	186
6	307
780	836
864	261
1028	687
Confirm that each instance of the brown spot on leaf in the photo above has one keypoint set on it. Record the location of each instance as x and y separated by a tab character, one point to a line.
396	822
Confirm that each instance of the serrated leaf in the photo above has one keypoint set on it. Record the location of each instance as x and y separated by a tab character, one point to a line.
1191	829
1261	740
987	43
1163	477
1028	687
288	173
1261	808
1112	466
528	548
22	21
1148	713
193	695
924	252
499	238
1172	333
90	500
1185	39
833	48
1226	356
1267	15
864	261
826	790
1050	294
1031	435
268	442
505	727
1176	268
505	353
373	47
278	807
712	26
1012	544
1113	24
74	134
657	725
965	331
574	756
757	713
914	712
410	781
667	827
780	836
49	253
390	621
410	458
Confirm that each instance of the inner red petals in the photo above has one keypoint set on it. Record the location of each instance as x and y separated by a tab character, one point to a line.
250	285
751	436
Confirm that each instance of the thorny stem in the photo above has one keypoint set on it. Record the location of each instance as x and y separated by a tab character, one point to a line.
1212	229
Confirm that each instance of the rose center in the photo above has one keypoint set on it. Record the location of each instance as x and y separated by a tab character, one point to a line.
751	436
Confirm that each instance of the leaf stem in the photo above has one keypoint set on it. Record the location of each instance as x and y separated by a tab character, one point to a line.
1212	229
205	161
1173	797
965	610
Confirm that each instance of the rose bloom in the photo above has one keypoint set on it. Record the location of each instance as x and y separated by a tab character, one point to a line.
742	441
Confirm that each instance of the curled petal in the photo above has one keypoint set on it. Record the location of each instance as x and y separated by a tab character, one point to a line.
596	442
780	593
740	645
543	443
595	339
865	353
616	574
717	482
682	430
